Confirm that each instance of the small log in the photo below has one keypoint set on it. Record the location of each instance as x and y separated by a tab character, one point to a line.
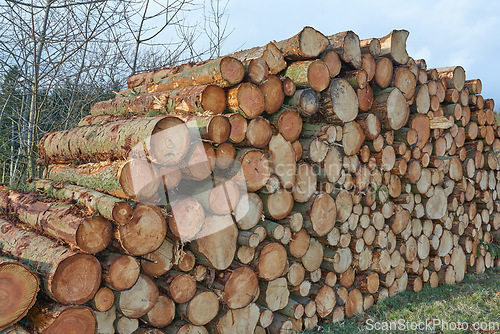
274	294
352	138
103	300
383	72
288	122
243	320
248	211
333	63
454	77
216	241
307	100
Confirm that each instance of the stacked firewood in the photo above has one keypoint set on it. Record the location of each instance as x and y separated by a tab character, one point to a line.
265	191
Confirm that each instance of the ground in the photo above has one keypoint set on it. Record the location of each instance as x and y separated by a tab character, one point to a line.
475	301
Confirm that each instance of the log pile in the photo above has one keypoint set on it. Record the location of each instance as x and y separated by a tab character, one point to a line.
269	190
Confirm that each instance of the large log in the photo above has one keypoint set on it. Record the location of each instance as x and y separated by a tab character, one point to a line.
58	220
206	99
109	207
54	318
309	74
138	300
394	46
308	43
68	277
119	272
19	287
391	108
133	179
163	139
340	101
346	44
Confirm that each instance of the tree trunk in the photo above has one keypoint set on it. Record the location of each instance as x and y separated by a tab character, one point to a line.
340	102
391	108
394	46
138	300
119	272
246	99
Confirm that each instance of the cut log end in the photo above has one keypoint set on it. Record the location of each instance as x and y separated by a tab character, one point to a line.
77	279
94	235
18	288
232	70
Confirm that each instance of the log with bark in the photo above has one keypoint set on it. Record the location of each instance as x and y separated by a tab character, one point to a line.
69	277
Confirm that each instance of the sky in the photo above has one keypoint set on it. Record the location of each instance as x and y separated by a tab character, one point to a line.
443	32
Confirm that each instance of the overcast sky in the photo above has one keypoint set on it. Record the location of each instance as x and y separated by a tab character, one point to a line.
443	32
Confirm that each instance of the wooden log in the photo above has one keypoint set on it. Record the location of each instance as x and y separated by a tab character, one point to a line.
55	318
352	138
109	207
274	294
340	101
163	139
160	260
333	63
162	313
288	122
238	286
178	286
138	300
277	205
308	43
216	241
391	108
103	300
133	179
247	99
255	166
319	214
19	289
15	329
371	45
405	81
383	72
272	88
270	261
60	221
282	157
200	310
305	186
365	98
394	46
307	100
183	327
205	99
269	53
243	320
68	277
119	272
309	74
346	44
248	211
354	303
454	77
132	237
370	125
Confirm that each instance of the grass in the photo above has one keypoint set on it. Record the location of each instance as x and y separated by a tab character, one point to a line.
475	299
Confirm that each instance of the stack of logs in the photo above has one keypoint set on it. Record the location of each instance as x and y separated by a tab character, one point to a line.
265	191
